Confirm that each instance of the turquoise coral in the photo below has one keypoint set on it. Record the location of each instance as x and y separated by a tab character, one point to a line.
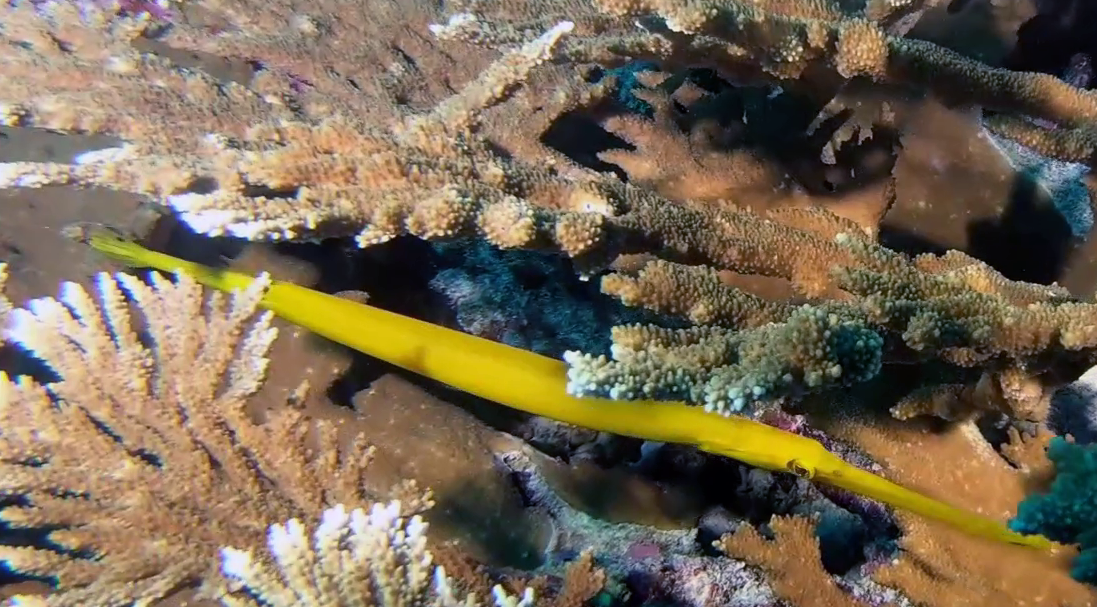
1068	511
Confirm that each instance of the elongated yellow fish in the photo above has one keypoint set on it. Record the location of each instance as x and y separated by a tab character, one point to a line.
536	384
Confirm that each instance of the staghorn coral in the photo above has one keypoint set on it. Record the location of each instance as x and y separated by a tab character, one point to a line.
791	561
141	461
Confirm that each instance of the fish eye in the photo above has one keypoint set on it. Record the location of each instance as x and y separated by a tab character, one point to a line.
800	470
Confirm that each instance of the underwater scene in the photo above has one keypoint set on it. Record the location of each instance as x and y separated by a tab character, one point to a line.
548	303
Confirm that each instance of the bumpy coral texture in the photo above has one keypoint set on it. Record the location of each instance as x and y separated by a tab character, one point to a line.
1065	513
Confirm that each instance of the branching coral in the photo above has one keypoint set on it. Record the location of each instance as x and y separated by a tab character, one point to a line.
141	458
377	558
954	309
434	175
534	384
812	45
791	561
936	566
328	138
422	173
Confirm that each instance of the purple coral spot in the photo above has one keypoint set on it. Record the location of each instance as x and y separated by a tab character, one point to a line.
644	550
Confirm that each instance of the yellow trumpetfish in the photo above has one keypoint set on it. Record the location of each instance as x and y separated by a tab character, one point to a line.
536	384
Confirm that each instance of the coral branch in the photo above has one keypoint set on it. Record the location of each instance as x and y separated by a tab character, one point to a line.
142	458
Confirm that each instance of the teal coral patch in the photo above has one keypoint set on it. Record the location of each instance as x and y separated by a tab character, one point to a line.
1068	512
